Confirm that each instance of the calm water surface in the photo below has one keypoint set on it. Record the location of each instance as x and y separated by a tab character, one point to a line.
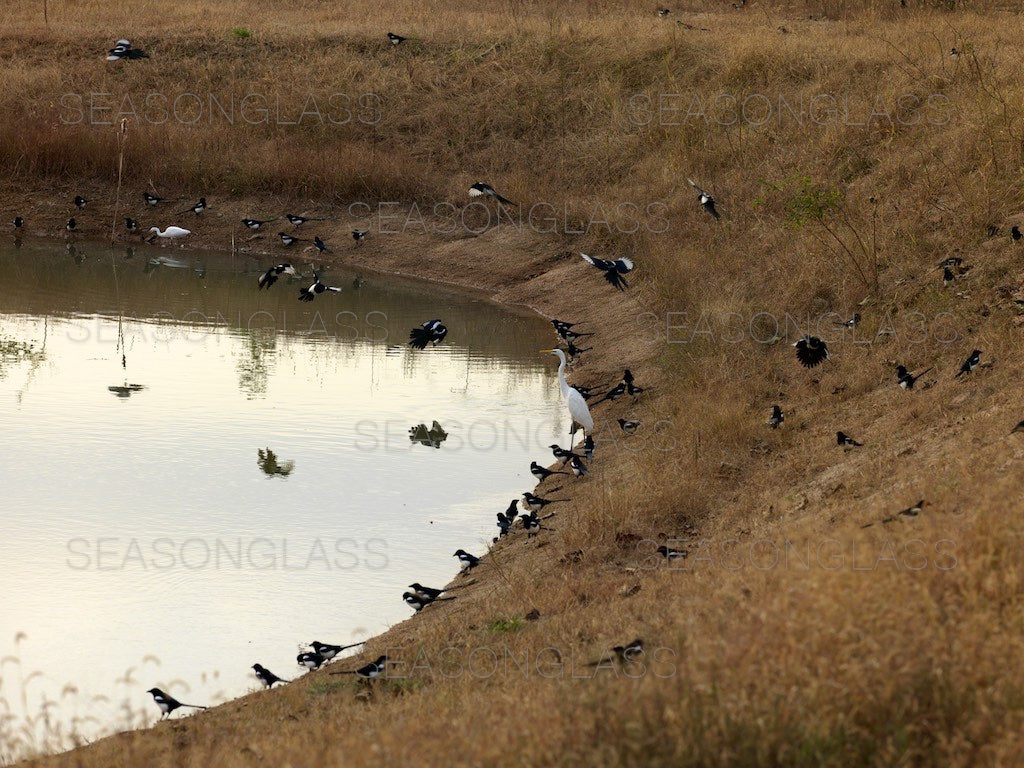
225	474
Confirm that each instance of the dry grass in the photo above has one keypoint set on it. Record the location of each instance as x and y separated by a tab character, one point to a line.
896	644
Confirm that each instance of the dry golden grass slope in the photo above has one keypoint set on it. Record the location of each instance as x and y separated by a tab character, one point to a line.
791	635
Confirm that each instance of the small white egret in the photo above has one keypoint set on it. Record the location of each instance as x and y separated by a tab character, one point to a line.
169	233
574	401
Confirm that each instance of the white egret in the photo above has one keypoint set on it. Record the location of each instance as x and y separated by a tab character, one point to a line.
574	401
170	233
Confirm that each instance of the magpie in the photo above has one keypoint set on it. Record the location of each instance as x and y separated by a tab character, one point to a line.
947	276
811	351
851	322
575	351
513	506
152	199
951	261
131	224
80	202
579	469
359	235
197	209
168	703
320	245
542	473
482	188
123	50
328	651
467	560
627	379
624	653
570	336
431	592
613	270
299	220
505	523
671	554
269	277
906	379
561	327
396	39
663	12
562	453
536	503
588	448
308	294
954	53
777	417
255	224
706	201
846	441
371	671
18	222
587	392
70	226
532	524
912	511
970	363
1015	233
310	660
287	240
431	331
614	393
267	677
418	602
628	427
1018	428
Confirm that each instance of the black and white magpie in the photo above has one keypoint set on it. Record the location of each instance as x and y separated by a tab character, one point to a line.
359	235
911	511
310	660
561	327
671	554
123	50
505	522
561	453
197	209
299	220
320	245
846	441
308	294
431	331
588	448
571	336
80	202
536	503
532	524
152	199
482	188
706	201
18	222
811	351
575	351
255	224
329	651
947	276
1015	233
542	473
579	469
970	363
431	592
627	379
71	225
851	322
906	379
624	653
629	427
267	677
419	601
270	277
467	560
131	224
168	703
395	39
288	240
663	12
777	417
613	269
371	671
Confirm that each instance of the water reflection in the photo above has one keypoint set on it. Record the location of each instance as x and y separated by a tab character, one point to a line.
267	461
432	437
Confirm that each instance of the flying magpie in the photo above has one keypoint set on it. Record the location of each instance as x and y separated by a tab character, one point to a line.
371	671
308	294
811	351
629	427
536	503
396	39
482	188
197	209
970	363
777	417
299	220
706	201
168	703
846	441
267	677
270	277
431	331
152	199
906	379
542	473
310	660
467	560
613	269
80	202
359	235
328	651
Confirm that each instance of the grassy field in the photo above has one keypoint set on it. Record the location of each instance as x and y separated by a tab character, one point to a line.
849	152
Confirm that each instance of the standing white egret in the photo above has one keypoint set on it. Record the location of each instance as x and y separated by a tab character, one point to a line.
169	233
574	401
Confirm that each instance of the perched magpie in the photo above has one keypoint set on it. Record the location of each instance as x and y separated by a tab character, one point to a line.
255	224
131	224
627	379
912	511
624	653
671	554
505	522
18	222
418	602
431	331
70	226
587	392
359	235
954	53
536	503
851	322
615	392
310	660
152	199
629	427
532	524
123	50
371	671
706	201
267	677
575	351
970	363
588	448
308	294
561	327
396	39
663	12
846	441
287	240
484	189
80	202
562	453
431	592
168	703
613	270
328	651
579	469
1015	233
906	379
811	351
270	277
777	417
570	336
197	209
320	245
542	473
299	220
467	560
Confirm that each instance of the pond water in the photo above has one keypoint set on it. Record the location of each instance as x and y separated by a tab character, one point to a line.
200	475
